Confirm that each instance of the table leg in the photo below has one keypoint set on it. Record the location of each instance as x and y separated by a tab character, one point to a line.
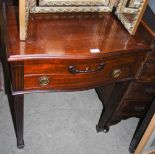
110	107
16	103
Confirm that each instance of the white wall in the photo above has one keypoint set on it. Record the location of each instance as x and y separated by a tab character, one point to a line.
152	5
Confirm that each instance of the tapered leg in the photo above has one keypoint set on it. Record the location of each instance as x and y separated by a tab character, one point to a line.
16	103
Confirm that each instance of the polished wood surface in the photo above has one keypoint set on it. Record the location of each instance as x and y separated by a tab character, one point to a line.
70	35
57	42
73	81
61	78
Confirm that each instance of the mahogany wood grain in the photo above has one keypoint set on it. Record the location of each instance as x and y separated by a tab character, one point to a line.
60	78
148	72
141	91
71	35
152	58
60	66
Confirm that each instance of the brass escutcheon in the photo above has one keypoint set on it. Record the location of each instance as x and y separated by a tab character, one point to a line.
116	73
43	81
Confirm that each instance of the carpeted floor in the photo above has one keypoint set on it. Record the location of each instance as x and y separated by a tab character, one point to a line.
63	123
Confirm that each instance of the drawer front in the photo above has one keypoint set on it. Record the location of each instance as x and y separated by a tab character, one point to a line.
73	74
82	74
61	66
148	73
72	81
141	91
152	58
134	108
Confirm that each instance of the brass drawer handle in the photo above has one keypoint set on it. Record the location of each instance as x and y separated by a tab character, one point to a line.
73	70
43	81
116	73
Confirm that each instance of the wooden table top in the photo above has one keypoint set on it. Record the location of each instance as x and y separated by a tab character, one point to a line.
71	35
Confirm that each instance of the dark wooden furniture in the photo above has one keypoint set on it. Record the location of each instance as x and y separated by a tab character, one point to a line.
1	72
147	81
73	52
1	78
142	128
141	91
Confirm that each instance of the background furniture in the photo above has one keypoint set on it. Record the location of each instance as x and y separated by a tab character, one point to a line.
138	142
146	144
141	91
149	19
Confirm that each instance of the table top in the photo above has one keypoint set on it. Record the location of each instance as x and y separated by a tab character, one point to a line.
71	35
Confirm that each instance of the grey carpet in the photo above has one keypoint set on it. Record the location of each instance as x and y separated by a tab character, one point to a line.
63	123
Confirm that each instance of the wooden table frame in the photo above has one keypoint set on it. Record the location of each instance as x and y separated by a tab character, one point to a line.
15	70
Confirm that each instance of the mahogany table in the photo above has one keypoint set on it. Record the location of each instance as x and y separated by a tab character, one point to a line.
70	52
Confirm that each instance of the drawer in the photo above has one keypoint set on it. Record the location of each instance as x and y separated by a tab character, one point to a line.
73	74
81	74
148	72
134	108
61	66
141	91
73	81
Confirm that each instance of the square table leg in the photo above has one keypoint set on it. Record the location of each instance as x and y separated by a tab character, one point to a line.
16	103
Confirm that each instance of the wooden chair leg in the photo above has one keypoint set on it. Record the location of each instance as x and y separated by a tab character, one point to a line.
16	103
